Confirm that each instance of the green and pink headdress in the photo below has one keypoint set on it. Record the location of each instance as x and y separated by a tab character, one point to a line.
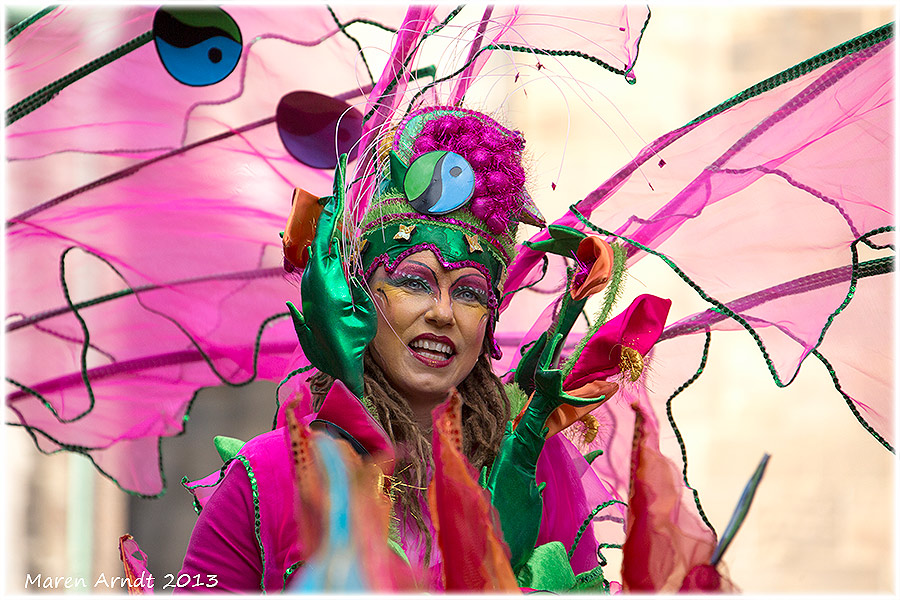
449	180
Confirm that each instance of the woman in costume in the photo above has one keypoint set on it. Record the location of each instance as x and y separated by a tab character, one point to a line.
51	405
435	246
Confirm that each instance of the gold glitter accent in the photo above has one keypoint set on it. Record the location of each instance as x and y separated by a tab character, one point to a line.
405	232
357	252
385	145
474	244
632	363
381	484
591	427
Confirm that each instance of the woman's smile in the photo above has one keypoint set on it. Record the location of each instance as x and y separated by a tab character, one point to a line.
433	350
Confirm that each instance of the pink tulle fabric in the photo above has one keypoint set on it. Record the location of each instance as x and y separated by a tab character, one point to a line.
801	170
177	233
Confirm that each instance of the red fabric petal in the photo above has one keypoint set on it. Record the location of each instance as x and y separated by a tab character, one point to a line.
467	526
664	536
638	327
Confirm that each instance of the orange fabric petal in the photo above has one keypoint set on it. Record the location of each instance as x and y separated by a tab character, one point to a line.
567	414
140	580
599	254
301	227
466	525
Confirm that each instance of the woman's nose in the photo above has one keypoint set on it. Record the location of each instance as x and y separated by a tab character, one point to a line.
441	312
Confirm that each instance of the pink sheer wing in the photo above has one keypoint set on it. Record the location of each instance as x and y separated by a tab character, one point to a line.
143	215
165	201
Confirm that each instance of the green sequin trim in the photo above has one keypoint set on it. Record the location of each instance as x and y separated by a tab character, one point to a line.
85	450
678	435
723	309
587	522
22	25
85	376
448	238
544	267
46	93
367	404
289	572
343	29
288	377
184	480
852	405
86	343
858	43
602	547
382	213
256	519
539	52
592	580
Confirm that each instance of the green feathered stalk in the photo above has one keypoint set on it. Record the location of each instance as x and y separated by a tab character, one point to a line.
517	398
610	297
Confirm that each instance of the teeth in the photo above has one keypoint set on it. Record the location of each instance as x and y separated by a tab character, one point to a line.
432	345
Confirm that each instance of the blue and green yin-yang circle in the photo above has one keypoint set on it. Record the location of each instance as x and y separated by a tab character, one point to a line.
197	46
439	182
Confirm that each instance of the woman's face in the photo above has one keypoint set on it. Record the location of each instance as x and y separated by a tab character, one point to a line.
431	325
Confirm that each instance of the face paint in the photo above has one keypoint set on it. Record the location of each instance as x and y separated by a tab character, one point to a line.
431	325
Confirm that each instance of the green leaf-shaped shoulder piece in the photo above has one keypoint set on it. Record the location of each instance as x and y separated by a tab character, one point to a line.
563	240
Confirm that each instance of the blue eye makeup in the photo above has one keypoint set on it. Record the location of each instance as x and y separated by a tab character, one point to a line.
410	282
470	294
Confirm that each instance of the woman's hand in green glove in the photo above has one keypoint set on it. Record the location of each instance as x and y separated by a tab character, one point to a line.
338	319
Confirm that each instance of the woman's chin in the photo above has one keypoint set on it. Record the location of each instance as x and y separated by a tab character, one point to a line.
424	386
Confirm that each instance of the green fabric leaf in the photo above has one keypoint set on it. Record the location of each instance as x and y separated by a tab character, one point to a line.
547	569
591	581
227	447
590	456
398	549
563	240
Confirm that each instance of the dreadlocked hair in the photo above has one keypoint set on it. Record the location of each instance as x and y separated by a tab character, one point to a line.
485	413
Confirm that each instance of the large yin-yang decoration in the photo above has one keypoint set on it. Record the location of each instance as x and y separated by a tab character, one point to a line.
439	182
198	46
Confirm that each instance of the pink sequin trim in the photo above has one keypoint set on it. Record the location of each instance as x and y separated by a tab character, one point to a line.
379	224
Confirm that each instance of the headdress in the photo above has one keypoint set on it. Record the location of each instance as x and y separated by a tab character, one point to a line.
448	180
451	181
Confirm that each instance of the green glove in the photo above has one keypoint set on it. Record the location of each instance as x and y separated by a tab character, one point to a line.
338	319
512	479
568	314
